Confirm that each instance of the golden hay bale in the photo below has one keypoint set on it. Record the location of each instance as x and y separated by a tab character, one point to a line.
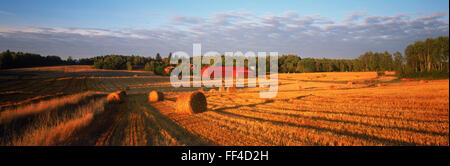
231	90
268	100
114	98
191	103
423	81
331	87
349	83
155	96
221	89
212	91
380	85
389	73
122	94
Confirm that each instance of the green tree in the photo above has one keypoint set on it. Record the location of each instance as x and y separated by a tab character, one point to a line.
129	66
147	67
158	58
70	60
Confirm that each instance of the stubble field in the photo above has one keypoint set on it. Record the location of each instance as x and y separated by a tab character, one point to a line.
66	106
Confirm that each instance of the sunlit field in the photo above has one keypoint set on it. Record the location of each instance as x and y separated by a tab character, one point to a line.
67	106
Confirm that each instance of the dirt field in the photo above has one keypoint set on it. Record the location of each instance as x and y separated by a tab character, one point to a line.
66	106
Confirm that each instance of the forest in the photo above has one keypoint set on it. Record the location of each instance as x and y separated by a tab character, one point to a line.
422	58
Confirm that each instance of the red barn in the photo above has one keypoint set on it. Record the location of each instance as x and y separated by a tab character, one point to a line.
228	71
168	69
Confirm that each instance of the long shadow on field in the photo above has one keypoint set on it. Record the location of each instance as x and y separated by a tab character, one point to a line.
321	129
19	125
363	115
240	106
109	127
181	134
350	122
103	129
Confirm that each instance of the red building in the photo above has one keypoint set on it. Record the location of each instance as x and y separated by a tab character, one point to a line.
168	69
228	71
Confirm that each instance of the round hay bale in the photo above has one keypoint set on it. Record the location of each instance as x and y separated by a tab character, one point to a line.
221	89
268	100
212	91
121	93
423	81
231	90
114	98
155	96
191	103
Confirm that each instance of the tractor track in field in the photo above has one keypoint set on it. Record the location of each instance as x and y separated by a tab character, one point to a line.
108	137
147	126
137	132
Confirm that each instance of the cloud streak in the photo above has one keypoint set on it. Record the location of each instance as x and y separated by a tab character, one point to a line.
6	13
308	36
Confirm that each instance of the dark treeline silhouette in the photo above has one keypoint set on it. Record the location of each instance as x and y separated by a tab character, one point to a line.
422	58
10	60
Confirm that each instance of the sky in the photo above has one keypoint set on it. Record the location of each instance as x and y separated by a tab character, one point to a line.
308	28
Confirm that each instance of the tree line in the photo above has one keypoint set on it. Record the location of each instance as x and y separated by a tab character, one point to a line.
9	59
121	62
369	61
427	56
421	58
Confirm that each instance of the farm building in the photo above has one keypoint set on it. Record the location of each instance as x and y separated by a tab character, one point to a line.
228	71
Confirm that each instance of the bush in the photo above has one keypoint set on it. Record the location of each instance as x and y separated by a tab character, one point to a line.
159	70
149	66
426	75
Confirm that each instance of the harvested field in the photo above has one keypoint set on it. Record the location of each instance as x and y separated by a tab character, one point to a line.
67	105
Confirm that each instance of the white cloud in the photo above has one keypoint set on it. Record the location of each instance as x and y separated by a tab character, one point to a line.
74	31
355	16
290	32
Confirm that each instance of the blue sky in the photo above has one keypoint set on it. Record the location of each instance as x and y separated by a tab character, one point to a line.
310	28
